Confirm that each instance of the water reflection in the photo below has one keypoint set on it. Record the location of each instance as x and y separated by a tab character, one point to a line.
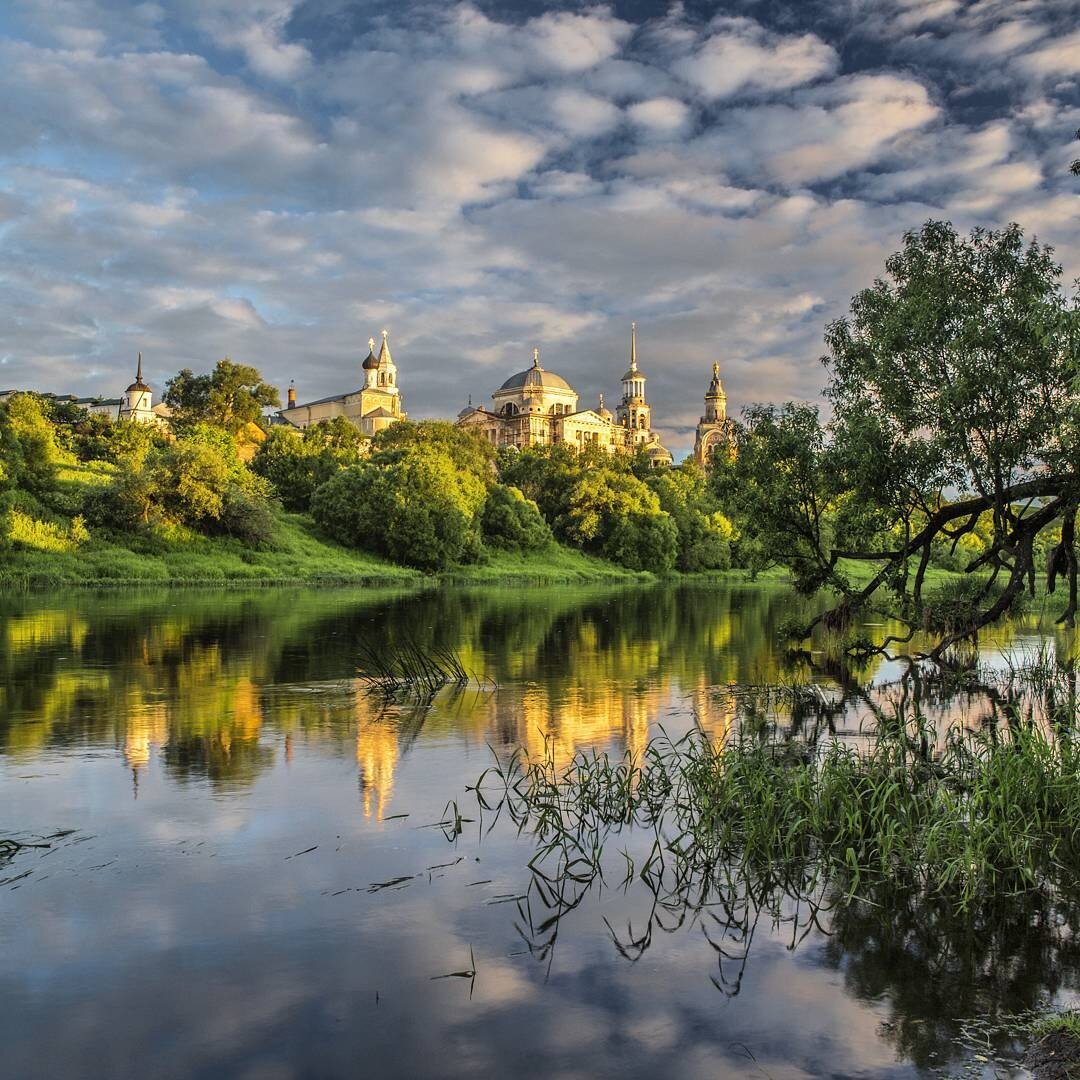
202	743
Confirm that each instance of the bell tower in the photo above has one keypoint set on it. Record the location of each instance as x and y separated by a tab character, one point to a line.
712	429
634	412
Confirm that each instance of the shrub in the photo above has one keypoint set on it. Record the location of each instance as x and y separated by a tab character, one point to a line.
643	541
414	506
512	522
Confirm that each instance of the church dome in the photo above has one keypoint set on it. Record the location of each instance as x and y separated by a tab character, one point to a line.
536	376
371	362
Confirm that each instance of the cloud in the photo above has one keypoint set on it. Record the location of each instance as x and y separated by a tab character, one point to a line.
740	54
664	115
198	179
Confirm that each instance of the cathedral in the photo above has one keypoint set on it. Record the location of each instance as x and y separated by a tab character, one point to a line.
536	407
374	406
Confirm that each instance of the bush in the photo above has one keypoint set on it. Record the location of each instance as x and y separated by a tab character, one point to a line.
28	450
296	464
413	505
512	522
245	517
645	541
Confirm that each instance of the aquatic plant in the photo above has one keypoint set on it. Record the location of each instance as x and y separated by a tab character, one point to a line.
407	666
968	818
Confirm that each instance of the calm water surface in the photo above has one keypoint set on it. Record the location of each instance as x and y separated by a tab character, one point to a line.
242	894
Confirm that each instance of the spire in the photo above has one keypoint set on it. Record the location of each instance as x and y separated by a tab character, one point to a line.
633	346
138	372
384	352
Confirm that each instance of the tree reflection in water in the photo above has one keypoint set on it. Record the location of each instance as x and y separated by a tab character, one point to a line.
938	953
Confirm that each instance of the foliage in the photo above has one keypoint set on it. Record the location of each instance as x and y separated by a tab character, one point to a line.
512	522
412	504
986	815
464	448
957	372
779	488
704	534
296	463
197	481
29	452
230	396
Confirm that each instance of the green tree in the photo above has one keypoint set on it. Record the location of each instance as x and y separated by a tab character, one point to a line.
955	372
704	533
513	522
296	464
29	453
779	491
230	396
414	505
465	448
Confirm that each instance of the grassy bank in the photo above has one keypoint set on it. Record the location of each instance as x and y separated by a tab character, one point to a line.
298	554
49	556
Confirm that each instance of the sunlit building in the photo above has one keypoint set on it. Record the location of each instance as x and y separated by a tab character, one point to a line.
537	407
375	405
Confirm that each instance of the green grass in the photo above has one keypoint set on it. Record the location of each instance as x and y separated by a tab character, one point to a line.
1064	1023
553	565
984	816
180	557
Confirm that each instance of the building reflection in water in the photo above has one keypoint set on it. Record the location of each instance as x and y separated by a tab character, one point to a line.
214	683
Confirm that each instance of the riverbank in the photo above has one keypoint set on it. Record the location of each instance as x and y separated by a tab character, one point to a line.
297	555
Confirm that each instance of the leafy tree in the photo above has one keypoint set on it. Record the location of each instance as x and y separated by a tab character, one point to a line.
511	521
614	514
296	464
29	453
198	481
643	541
704	533
413	505
465	448
230	396
957	372
779	489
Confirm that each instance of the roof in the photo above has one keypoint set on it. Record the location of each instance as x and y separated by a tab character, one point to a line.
536	376
380	411
318	401
633	373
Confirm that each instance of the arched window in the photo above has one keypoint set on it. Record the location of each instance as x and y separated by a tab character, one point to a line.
641	422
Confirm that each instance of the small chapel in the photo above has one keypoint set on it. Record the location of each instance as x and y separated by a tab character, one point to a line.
375	405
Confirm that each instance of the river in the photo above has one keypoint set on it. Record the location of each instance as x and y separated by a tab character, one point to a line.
246	875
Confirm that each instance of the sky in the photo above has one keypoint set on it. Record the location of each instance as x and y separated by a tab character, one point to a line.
278	180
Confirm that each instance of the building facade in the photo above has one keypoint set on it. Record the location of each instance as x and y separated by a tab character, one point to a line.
713	430
375	405
537	407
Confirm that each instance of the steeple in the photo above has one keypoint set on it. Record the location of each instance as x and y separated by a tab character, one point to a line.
138	384
384	352
633	346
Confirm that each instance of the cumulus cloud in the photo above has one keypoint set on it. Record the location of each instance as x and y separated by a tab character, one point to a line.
740	54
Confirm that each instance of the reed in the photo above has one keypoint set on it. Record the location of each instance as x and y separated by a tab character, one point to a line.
968	818
406	666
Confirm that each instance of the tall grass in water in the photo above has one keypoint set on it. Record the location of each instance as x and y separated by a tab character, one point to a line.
967	819
405	666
